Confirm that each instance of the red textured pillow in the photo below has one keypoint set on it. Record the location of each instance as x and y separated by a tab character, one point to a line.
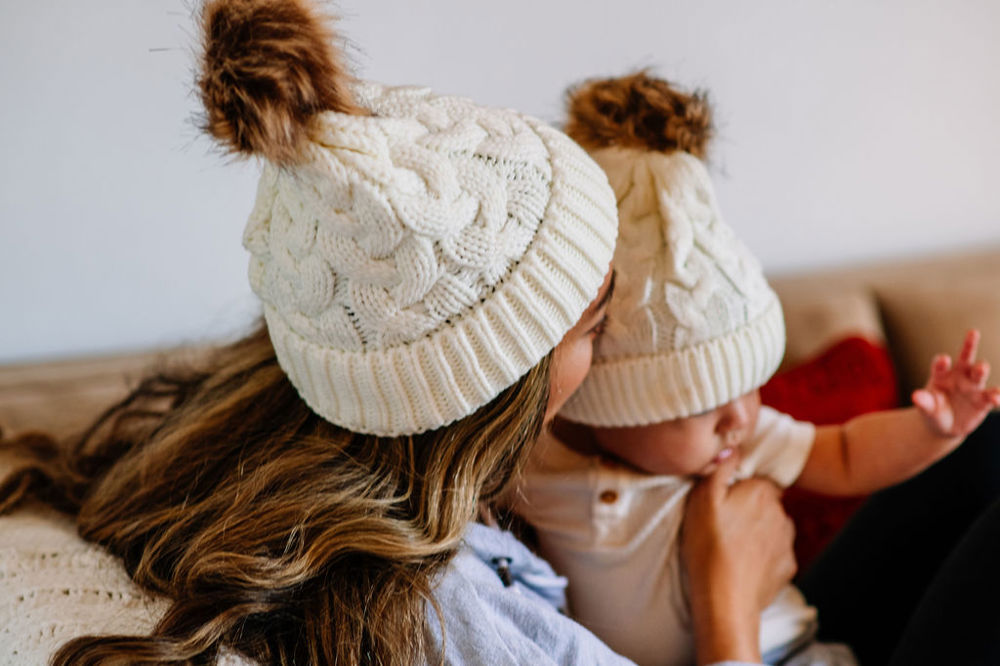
852	377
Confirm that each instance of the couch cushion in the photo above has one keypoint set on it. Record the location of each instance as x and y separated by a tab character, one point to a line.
63	397
854	376
818	315
928	316
926	304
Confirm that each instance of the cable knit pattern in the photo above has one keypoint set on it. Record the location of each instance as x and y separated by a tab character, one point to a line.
425	256
55	587
693	323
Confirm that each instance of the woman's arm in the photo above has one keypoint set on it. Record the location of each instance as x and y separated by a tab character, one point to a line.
737	546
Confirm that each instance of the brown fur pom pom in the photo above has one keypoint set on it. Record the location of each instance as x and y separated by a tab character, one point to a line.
638	111
268	67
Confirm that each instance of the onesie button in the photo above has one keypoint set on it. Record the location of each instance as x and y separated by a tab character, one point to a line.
609	497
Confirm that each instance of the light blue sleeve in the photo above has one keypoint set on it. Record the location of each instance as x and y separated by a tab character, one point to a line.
486	623
489	619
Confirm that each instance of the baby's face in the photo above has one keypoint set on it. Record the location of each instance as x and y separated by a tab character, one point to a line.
693	445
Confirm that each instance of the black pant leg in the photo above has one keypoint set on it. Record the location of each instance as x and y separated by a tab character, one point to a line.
869	581
958	619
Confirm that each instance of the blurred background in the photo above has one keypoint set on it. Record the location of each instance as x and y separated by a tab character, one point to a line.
848	132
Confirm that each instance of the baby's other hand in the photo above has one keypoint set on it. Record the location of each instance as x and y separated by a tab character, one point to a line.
956	399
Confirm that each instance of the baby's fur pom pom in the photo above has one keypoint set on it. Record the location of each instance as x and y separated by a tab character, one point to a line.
268	66
638	111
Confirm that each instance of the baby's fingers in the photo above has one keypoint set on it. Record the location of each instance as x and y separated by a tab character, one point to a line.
936	408
984	400
968	354
992	396
940	367
979	373
925	401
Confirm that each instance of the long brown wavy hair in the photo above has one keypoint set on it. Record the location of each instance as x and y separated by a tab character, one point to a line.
274	533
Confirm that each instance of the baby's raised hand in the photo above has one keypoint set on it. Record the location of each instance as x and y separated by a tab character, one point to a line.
956	399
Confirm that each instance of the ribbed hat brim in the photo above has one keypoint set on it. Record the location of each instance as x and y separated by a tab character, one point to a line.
463	365
640	390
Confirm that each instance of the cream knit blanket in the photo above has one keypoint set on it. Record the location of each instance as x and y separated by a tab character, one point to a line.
54	586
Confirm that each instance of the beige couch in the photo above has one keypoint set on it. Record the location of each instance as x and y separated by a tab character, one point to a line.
919	307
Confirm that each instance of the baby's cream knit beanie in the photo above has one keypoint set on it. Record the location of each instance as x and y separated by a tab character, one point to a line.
692	323
415	254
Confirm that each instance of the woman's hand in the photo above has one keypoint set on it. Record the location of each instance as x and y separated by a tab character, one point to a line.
737	546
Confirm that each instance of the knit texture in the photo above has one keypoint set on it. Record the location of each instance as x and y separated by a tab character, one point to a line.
55	587
425	257
692	324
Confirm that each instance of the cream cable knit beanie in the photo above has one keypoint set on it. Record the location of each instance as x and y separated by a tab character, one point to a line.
693	323
416	259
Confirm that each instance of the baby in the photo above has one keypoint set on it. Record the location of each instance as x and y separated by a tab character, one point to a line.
693	330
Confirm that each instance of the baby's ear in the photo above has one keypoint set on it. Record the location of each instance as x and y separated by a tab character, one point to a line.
639	111
268	67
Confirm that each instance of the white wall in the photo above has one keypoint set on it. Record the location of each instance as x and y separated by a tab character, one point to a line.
849	131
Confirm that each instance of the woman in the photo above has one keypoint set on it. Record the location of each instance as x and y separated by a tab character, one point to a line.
433	274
